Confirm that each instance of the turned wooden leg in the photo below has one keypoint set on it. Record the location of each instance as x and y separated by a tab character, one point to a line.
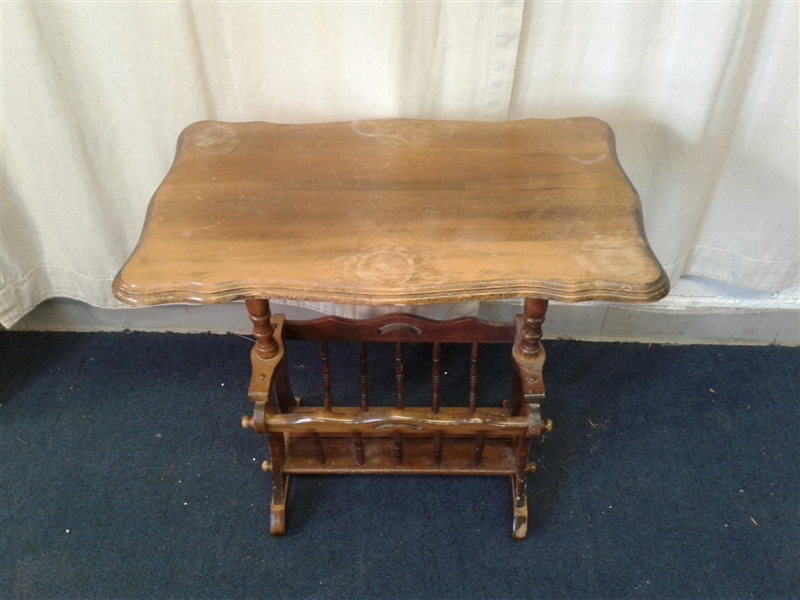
528	355
263	330
527	388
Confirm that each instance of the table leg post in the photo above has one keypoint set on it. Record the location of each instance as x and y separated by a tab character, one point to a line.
528	388
271	393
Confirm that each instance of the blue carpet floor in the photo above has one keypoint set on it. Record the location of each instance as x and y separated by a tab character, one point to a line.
672	473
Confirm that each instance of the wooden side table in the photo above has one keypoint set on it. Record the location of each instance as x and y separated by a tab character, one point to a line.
394	212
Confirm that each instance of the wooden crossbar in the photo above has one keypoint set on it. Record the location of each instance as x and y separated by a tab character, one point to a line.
454	421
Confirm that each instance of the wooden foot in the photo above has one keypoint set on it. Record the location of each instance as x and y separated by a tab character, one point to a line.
519	525
277	512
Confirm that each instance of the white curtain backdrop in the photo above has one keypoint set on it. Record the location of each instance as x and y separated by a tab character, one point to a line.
703	97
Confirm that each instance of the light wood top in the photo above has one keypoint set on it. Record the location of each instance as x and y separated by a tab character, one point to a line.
394	212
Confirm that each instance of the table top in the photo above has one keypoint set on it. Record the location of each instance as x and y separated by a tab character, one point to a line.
394	212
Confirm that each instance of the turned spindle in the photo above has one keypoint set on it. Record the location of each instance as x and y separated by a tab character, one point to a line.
436	381
318	450
473	378
535	310
362	361
398	447
436	376
358	443
326	376
480	442
398	373
438	447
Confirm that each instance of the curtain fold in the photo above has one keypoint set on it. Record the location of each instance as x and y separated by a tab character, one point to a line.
703	98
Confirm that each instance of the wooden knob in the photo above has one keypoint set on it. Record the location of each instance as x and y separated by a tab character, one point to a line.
547	426
266	466
531	468
247	422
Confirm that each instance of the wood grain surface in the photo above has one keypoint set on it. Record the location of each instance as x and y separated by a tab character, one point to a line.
394	212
